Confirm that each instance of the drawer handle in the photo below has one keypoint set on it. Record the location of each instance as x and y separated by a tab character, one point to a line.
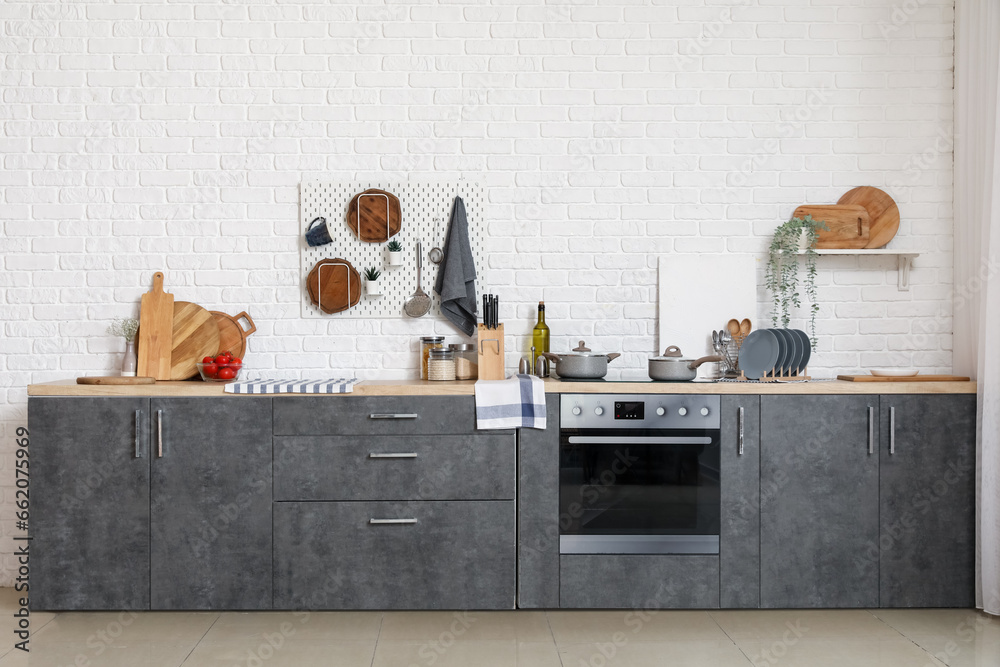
378	415
391	522
393	455
138	425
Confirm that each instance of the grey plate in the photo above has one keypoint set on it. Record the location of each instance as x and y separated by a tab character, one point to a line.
805	345
758	354
786	349
795	358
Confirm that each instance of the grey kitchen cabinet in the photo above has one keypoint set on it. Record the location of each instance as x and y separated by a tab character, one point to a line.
739	529
819	504
927	456
89	503
621	581
210	504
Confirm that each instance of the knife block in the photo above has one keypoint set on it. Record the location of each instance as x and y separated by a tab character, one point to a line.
491	353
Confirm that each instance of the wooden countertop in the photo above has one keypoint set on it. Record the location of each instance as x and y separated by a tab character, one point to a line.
466	388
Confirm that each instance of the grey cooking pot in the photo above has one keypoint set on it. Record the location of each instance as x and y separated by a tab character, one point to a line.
673	368
581	364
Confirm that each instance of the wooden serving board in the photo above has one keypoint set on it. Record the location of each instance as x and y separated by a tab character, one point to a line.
232	335
156	316
912	378
340	283
195	336
115	379
375	215
882	211
848	224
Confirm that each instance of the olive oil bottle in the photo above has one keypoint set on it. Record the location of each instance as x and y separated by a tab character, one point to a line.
540	334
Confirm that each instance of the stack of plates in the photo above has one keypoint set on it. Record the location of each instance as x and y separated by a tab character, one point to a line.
781	351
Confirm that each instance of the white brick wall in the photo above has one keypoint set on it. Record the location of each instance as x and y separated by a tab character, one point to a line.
140	136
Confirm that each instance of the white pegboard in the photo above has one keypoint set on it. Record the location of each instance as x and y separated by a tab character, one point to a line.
421	202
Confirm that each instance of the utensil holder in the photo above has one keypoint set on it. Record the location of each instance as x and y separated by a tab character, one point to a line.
491	353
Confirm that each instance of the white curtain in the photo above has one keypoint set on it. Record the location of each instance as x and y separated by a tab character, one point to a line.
977	263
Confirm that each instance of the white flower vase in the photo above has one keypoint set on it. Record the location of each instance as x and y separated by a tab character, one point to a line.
373	288
129	361
395	258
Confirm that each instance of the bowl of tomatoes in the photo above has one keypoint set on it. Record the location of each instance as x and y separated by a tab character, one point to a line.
223	367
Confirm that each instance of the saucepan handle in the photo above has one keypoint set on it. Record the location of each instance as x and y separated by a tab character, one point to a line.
704	360
613	356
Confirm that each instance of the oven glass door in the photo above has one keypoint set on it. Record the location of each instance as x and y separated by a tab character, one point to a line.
639	491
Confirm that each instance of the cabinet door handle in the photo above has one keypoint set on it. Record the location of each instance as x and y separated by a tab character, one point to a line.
138	426
391	522
871	430
892	430
392	455
159	434
378	415
739	419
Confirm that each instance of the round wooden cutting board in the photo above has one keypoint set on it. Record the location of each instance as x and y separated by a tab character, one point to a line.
375	215
196	335
232	336
882	212
340	284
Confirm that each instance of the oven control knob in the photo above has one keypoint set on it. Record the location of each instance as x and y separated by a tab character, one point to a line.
660	412
598	411
577	411
704	412
682	411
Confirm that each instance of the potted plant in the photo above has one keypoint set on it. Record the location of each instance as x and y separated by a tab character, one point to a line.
782	275
372	288
395	249
126	328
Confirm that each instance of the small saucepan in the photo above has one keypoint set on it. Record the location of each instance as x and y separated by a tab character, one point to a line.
582	364
672	368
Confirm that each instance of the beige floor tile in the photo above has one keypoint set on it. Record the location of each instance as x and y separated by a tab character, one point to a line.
124	628
837	652
524	626
137	654
334	626
491	653
958	624
655	654
291	652
805	623
9	605
965	650
587	627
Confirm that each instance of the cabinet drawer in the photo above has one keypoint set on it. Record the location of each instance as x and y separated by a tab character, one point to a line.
390	467
375	415
638	582
448	555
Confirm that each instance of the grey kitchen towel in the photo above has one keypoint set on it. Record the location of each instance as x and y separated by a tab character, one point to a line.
456	278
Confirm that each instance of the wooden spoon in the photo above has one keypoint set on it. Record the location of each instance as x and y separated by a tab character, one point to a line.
734	327
745	326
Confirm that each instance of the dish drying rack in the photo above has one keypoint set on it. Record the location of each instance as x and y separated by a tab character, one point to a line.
731	360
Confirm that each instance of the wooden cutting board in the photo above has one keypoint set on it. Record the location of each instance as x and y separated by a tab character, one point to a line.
232	335
115	379
340	284
882	211
375	215
912	378
847	224
195	336
156	316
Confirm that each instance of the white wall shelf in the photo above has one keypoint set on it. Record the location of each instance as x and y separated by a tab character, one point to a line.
904	260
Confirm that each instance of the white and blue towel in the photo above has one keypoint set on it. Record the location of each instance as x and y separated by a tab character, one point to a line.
517	402
331	386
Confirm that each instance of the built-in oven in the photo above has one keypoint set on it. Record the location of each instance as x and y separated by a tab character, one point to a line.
639	474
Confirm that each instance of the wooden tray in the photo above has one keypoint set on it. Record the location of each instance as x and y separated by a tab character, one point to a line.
232	335
912	378
882	211
195	336
375	215
848	224
340	284
114	379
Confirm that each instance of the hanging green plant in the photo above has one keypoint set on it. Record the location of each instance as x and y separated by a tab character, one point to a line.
782	275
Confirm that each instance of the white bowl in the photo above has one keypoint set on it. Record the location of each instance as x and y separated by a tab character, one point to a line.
894	372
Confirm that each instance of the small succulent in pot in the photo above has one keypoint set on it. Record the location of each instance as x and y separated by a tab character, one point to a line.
395	249
372	287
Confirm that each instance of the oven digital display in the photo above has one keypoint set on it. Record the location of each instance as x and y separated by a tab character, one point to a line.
630	410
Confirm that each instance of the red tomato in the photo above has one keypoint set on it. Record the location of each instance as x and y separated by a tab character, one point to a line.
236	363
223	358
227	373
211	370
208	360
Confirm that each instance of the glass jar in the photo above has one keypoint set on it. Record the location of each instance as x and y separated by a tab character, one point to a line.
466	361
428	343
441	364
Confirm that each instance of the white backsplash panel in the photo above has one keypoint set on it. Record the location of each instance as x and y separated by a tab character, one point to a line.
421	202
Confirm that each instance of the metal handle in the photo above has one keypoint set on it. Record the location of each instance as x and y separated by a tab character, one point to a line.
892	430
639	440
395	455
871	430
138	426
739	418
378	415
391	522
159	434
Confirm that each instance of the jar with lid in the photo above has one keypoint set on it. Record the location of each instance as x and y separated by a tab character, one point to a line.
428	343
441	364
466	361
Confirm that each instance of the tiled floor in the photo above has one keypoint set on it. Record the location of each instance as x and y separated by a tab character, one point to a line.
904	638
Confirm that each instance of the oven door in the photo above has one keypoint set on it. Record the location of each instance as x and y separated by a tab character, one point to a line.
626	491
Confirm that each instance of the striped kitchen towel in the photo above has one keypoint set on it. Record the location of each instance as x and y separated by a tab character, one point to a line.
517	402
332	386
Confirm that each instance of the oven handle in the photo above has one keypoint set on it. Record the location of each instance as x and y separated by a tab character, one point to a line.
639	440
